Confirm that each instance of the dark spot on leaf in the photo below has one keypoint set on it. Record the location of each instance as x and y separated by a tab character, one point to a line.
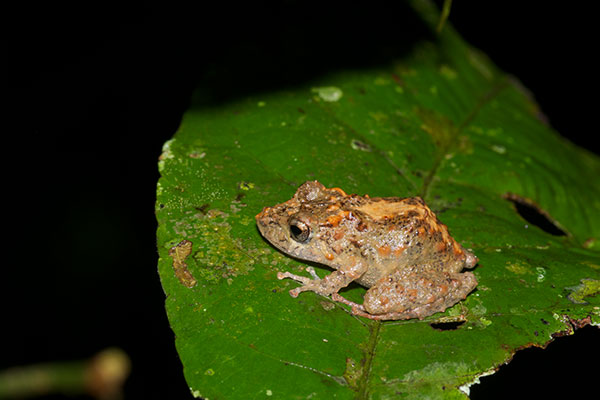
240	196
544	321
533	214
446	326
203	208
301	110
358	145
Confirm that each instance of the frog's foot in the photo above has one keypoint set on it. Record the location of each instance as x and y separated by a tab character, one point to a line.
308	284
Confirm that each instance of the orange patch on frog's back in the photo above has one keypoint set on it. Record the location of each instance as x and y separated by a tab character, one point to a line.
334	220
387	251
384	250
388	209
441	246
398	252
339	234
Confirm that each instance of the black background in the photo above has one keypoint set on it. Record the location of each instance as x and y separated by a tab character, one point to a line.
94	92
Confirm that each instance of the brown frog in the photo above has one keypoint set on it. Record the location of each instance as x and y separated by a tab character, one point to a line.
394	246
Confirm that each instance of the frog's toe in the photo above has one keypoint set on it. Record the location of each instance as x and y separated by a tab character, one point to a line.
312	272
355	306
361	312
307	287
298	278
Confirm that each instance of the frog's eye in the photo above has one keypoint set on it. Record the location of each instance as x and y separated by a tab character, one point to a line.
299	231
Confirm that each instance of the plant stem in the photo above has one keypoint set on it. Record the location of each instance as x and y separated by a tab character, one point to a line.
101	376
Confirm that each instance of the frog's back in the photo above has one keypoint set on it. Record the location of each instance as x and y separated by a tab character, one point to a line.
404	233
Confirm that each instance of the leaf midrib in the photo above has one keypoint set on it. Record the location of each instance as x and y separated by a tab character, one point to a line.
448	144
444	149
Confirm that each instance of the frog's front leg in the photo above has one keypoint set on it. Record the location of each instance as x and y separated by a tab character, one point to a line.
328	285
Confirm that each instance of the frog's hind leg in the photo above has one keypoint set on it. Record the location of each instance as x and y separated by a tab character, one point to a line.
415	293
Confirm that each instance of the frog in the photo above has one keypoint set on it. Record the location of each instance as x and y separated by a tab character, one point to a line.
395	247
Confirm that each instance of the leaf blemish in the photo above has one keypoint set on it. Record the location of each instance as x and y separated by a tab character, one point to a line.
240	196
179	253
358	145
352	373
587	288
203	208
245	185
518	268
328	93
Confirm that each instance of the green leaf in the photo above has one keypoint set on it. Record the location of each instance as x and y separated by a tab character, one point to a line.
442	123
